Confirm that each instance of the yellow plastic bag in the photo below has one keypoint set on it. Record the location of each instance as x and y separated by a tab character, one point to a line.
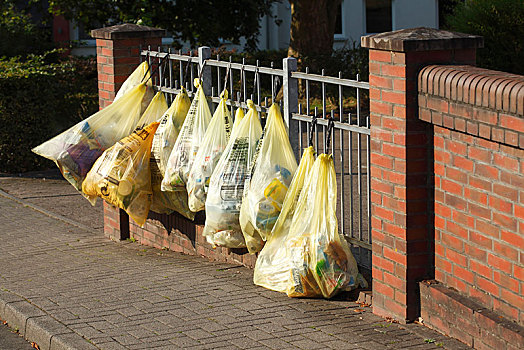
141	74
188	142
163	142
76	149
121	175
239	115
212	146
272	174
226	185
321	261
273	265
154	111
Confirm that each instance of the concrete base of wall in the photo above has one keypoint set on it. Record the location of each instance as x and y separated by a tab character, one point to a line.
449	312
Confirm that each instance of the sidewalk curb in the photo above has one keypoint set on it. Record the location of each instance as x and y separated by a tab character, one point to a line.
47	212
36	326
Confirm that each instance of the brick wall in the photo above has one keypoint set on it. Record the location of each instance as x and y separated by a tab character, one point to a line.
478	156
402	210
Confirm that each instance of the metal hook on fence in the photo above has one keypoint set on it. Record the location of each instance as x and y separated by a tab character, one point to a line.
202	71
329	131
162	61
227	76
255	82
277	86
313	126
241	83
186	72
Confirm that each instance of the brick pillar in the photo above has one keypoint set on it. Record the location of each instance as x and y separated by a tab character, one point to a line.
117	55
401	162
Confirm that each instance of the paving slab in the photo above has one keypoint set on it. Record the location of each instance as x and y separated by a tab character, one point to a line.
83	291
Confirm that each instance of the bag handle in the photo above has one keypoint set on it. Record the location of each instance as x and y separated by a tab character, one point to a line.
331	124
187	71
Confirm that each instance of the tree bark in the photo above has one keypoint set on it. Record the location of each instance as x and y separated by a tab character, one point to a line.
312	26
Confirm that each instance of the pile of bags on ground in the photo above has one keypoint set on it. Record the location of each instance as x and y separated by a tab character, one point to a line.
138	154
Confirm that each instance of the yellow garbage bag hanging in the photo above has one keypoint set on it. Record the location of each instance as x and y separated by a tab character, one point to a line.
321	261
239	115
188	142
226	186
76	149
154	111
121	175
163	142
272	173
273	266
141	74
212	146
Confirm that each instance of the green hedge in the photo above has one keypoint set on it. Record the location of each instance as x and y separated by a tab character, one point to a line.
38	100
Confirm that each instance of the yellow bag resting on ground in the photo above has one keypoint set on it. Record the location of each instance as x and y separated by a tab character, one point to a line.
321	262
273	266
141	74
76	149
163	142
274	168
226	185
239	115
211	148
154	111
121	175
188	142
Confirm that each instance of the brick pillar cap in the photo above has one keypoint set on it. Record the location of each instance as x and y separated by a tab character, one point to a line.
421	39
126	31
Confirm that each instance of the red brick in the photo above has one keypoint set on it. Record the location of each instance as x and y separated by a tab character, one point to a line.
463	163
512	298
456	147
381	108
452	187
505	250
487	286
479	154
380	56
475	252
394	150
506	281
486	171
380	82
506	162
511	122
383	289
500	205
480	183
481	269
463	274
394	97
442	210
395	256
480	240
516	240
463	219
452	241
505	221
457	230
393	70
456	258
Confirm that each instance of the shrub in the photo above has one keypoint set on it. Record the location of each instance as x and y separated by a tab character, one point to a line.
501	23
39	99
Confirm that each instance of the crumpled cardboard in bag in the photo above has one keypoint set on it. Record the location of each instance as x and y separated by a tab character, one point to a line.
273	265
274	168
206	159
163	142
76	149
187	143
121	176
226	186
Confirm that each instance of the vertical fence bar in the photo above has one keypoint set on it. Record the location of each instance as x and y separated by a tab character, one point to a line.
350	164
324	110
290	86
368	174
342	160
359	169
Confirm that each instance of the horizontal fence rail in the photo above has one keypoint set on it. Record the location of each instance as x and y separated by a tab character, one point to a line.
310	103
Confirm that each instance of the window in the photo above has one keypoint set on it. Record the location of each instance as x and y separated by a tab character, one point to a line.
378	16
338	22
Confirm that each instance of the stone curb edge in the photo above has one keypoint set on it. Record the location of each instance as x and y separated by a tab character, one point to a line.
47	212
37	326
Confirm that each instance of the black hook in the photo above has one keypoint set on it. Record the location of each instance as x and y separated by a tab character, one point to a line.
148	67
162	61
186	72
312	129
278	85
202	71
329	131
255	81
227	76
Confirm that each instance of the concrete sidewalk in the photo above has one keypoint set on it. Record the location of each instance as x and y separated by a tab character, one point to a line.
65	286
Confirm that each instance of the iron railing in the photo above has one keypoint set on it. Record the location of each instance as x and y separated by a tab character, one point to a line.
310	102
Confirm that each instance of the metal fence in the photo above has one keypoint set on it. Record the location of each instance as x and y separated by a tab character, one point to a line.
312	105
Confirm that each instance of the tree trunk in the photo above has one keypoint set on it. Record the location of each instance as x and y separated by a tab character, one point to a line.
312	26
